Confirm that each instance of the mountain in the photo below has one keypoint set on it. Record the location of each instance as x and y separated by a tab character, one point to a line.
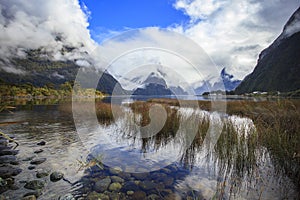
278	66
226	82
38	70
156	85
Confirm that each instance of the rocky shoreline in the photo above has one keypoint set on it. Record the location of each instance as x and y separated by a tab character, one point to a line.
9	168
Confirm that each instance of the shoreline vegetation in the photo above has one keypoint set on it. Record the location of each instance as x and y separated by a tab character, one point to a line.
49	91
274	94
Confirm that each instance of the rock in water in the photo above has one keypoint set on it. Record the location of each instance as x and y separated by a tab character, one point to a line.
38	161
102	185
56	176
115	187
35	185
41	143
41	174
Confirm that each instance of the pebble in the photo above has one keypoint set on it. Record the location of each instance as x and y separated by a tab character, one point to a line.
38	161
148	185
38	151
115	170
115	187
41	174
34	185
130	186
56	176
31	167
140	176
117	179
41	143
102	185
7	171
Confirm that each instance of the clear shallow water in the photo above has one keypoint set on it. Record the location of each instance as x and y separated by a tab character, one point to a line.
195	171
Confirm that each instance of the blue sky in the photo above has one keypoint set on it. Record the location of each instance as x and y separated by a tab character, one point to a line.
117	15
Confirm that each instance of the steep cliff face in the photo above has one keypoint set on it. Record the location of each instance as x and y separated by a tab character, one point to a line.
278	66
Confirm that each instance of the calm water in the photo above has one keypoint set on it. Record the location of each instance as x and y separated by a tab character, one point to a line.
176	161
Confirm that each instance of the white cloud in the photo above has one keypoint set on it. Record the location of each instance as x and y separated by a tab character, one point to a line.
49	25
234	32
133	52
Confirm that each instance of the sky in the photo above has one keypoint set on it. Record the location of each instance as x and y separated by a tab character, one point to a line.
231	32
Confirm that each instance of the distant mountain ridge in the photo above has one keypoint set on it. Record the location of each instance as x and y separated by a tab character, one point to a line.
226	82
278	66
156	85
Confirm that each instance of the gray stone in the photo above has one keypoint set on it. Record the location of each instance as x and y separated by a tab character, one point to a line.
102	185
7	159
115	170
8	171
117	179
130	186
56	176
41	143
8	152
31	167
38	161
41	174
34	185
147	185
38	151
140	176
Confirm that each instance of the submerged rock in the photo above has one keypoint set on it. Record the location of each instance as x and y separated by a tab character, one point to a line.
41	143
38	161
115	170
95	196
35	185
41	174
115	187
130	186
56	176
8	171
148	185
140	176
31	167
117	179
102	185
38	151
